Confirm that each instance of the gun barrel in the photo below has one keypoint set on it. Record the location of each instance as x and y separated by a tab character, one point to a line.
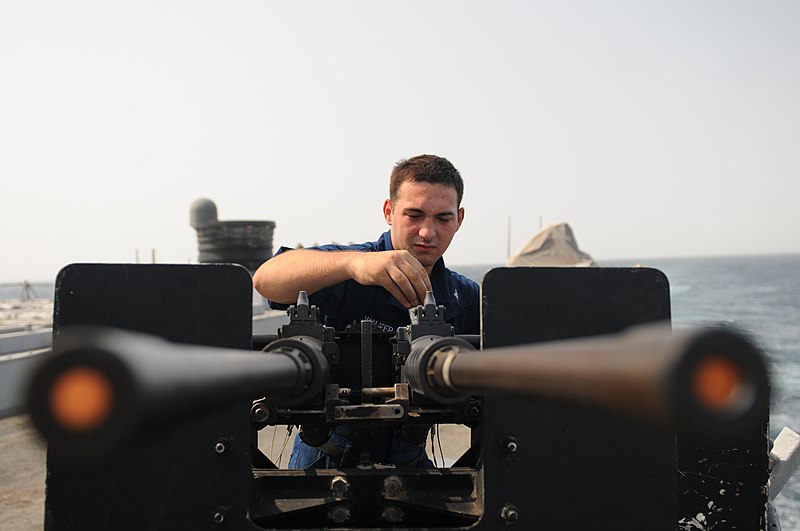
102	386
707	383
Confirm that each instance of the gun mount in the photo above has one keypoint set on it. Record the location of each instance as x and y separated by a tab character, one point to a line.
709	384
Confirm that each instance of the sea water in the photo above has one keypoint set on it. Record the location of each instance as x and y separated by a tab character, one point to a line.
761	296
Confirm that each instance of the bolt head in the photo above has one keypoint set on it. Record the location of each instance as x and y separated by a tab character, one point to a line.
260	413
339	514
509	513
393	514
339	486
220	515
392	485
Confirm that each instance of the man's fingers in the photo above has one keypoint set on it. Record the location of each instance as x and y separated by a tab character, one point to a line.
421	285
400	283
399	272
417	276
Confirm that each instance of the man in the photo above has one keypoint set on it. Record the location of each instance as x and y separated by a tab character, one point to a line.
380	281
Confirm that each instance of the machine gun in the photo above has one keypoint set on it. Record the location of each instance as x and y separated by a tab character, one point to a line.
106	387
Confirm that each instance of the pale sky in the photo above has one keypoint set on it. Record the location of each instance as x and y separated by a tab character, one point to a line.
655	129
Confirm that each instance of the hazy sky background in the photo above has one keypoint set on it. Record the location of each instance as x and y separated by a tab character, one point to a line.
655	129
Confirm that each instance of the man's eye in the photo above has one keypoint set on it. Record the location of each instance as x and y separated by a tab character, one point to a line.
444	219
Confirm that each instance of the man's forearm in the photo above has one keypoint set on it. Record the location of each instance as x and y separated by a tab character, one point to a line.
282	277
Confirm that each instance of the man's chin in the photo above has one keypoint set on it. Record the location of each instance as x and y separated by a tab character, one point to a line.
427	261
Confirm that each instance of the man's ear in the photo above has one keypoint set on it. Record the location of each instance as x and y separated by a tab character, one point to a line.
387	211
460	217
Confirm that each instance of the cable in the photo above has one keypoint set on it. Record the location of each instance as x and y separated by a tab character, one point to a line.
289	430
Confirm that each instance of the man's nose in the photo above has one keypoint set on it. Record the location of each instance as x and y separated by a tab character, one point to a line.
427	231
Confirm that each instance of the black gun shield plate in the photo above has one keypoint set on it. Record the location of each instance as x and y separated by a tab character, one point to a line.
573	469
172	480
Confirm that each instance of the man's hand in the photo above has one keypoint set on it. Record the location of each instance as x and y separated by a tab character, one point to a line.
397	271
283	276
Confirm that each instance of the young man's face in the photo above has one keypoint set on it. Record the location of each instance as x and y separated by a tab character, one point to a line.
424	219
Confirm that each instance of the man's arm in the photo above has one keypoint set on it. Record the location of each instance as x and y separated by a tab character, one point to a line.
282	277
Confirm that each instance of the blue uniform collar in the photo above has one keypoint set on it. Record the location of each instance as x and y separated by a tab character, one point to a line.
385	241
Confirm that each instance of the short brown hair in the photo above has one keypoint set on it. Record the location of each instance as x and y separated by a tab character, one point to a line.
425	168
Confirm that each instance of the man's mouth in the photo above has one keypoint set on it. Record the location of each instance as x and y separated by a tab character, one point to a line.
424	247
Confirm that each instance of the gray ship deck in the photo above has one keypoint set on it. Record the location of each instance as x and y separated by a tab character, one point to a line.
22	473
